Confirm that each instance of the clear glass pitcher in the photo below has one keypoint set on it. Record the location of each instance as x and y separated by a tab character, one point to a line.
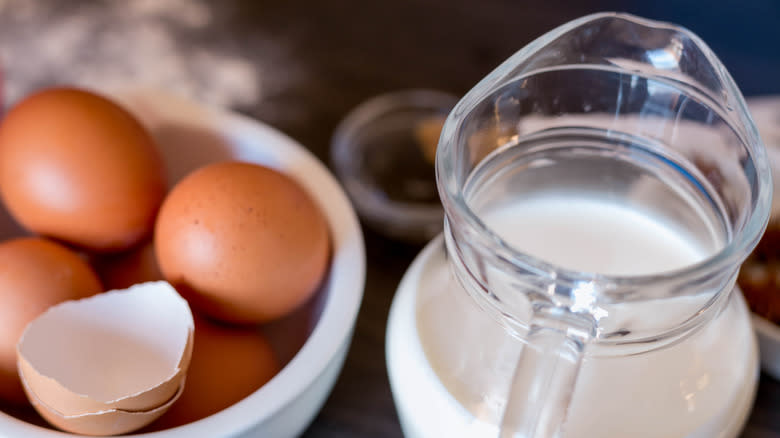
601	188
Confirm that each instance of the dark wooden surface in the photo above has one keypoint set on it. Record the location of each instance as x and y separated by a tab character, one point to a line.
316	60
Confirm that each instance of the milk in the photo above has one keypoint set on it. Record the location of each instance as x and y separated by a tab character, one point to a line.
592	235
699	387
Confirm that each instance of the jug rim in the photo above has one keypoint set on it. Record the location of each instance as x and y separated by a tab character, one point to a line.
743	240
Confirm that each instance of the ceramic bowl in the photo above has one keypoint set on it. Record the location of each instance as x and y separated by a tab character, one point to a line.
312	342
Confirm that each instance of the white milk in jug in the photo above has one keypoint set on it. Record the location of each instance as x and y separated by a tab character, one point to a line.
693	388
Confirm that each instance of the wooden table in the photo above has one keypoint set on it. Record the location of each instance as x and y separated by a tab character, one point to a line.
318	59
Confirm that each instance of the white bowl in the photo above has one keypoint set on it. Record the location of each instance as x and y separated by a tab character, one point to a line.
191	136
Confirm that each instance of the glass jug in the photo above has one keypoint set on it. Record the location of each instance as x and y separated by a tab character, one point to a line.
601	188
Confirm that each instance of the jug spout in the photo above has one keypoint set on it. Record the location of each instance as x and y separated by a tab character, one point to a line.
545	375
627	43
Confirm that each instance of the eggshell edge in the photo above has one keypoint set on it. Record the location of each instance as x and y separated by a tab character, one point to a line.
104	423
69	403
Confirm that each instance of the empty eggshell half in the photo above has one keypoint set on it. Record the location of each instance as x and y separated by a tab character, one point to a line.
110	422
123	351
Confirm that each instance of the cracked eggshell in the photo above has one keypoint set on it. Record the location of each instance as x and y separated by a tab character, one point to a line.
125	350
104	423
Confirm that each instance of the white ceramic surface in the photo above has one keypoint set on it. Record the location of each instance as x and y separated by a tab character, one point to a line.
191	136
715	396
766	114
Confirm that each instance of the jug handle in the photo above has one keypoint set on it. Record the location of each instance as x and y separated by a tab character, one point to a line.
545	374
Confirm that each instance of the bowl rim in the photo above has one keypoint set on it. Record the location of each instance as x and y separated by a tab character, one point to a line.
345	283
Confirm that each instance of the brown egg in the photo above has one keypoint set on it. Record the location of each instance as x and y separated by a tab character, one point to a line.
120	271
227	365
77	167
35	274
243	243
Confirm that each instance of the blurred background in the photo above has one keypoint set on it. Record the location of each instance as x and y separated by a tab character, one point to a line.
300	66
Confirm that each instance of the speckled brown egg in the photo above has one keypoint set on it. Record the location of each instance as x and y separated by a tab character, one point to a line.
77	167
228	364
35	274
242	242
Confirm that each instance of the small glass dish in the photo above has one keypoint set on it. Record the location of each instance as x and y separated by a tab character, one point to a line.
383	152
